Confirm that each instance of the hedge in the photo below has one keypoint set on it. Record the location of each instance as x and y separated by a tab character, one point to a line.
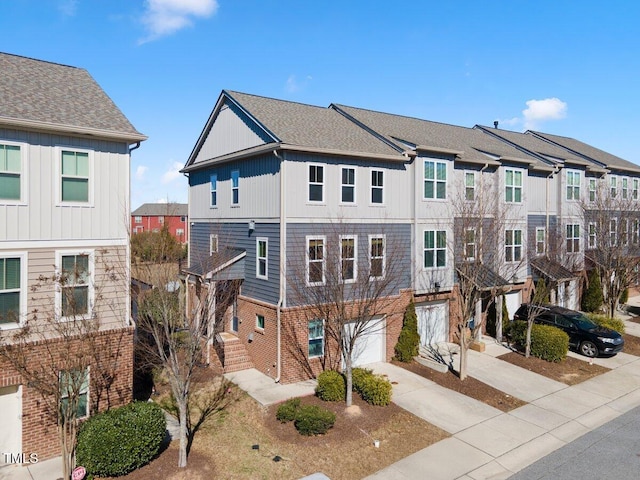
547	342
608	322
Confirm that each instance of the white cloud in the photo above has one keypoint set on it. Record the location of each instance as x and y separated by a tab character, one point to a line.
140	171
293	85
164	17
173	173
162	200
538	111
68	7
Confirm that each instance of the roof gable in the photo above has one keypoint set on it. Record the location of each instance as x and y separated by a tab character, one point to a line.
160	209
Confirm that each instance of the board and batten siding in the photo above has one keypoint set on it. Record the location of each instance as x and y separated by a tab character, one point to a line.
41	217
236	235
538	186
259	190
231	131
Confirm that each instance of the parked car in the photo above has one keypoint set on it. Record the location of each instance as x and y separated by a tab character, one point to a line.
589	338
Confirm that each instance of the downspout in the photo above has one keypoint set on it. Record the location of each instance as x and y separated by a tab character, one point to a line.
128	315
283	242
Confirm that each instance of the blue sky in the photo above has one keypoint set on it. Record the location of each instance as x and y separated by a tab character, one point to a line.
565	67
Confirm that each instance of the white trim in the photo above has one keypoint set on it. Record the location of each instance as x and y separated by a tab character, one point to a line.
88	370
341	201
322	184
316	338
54	244
544	240
513	245
24	259
211	190
514	186
467	244
435	249
58	149
435	180
264	322
573	186
465	186
24	174
355	257
372	186
308	238
213	236
384	256
266	258
235	204
91	283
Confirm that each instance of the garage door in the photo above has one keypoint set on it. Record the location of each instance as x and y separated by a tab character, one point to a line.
514	300
10	419
433	323
370	345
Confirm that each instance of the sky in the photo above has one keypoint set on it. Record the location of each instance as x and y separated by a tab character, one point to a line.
566	67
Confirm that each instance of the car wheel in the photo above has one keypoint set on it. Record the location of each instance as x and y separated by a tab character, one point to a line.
588	349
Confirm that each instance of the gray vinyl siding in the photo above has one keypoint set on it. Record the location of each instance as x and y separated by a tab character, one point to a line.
232	131
237	235
259	190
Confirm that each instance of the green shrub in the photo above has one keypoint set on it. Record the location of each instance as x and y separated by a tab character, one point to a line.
313	420
505	310
331	386
593	297
547	342
541	295
376	390
118	441
608	322
409	339
358	376
624	296
287	411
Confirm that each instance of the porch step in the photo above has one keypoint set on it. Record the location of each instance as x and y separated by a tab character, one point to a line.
233	354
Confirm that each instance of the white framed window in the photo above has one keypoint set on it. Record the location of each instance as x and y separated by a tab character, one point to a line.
512	185
435	179
573	185
13	288
625	187
613	232
235	187
377	252
213	244
137	219
513	245
634	190
161	220
262	253
12	173
213	190
377	187
260	322
573	238
624	231
435	249
76	182
348	185
316	338
470	244
634	232
613	186
74	385
348	256
315	261
180	233
470	186
74	292
541	240
592	235
316	183
592	189
138	229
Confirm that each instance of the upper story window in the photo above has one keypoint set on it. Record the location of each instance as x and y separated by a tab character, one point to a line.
625	187
573	185
213	188
183	218
573	238
470	244
634	190
262	248
76	285
377	186
348	185
348	255
137	219
592	189
613	186
11	290
435	179
235	187
435	248
470	186
613	232
315	261
316	183
213	244
634	231
10	172
592	235
75	176
377	256
540	240
513	245
161	220
513	186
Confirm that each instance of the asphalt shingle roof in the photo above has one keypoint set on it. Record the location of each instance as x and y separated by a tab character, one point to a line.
483	277
161	209
551	269
58	95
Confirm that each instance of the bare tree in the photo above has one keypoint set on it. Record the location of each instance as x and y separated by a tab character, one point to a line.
70	354
350	279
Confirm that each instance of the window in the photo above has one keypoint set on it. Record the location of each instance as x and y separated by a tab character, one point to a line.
377	252
138	230
435	244
213	244
613	185
10	172
634	191
592	189
592	235
470	186
613	232
435	179
377	186
261	258
74	384
513	186
213	188
235	187
573	238
624	226
348	185
625	188
316	338
316	183
10	285
75	285
540	240
138	219
75	176
634	232
161	220
513	245
260	322
470	244
180	233
573	185
348	267
315	261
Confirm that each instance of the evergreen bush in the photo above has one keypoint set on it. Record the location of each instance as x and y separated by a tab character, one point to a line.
331	386
547	342
287	411
313	420
608	322
409	339
593	298
358	377
624	296
376	390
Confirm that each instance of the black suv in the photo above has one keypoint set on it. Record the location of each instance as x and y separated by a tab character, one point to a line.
587	337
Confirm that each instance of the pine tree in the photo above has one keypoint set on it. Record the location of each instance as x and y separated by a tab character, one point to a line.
408	341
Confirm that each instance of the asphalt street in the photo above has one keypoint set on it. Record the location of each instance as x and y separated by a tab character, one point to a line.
610	451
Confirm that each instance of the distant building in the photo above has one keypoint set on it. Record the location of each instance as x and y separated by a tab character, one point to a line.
152	217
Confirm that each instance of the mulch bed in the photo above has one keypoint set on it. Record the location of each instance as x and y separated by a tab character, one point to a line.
631	344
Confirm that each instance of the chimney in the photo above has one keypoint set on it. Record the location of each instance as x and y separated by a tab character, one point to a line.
495	124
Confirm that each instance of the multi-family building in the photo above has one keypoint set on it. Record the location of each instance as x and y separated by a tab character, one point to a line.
153	217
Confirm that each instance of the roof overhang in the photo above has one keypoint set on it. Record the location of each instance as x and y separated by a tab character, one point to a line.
215	265
552	269
483	277
442	150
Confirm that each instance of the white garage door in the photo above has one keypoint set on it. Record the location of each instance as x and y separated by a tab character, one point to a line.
433	323
514	300
370	345
10	419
